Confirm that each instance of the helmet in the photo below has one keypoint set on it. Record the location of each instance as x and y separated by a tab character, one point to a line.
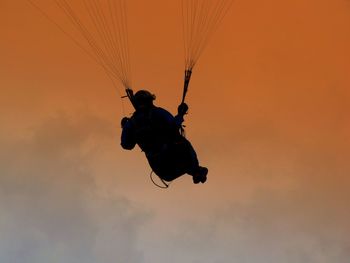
143	99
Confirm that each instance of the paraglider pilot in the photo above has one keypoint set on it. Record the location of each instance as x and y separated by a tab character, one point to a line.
157	133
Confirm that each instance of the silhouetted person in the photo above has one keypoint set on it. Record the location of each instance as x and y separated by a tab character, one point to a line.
157	133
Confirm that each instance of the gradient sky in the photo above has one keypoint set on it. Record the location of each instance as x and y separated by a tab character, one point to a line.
269	116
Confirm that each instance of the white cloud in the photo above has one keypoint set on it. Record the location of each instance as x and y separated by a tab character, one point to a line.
50	209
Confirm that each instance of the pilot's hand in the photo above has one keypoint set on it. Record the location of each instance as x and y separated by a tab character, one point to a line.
182	109
124	121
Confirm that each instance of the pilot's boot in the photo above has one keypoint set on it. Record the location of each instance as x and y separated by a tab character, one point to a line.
200	176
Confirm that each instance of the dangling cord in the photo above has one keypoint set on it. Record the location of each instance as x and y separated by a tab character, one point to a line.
164	186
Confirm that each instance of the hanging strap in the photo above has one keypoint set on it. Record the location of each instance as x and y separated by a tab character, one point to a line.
188	73
165	184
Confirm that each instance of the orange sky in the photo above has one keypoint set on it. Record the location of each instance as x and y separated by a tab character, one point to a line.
269	115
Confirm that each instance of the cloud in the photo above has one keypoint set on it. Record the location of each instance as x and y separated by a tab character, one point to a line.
50	207
52	211
295	210
308	221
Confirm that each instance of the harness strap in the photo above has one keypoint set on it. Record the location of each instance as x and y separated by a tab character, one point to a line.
130	95
188	73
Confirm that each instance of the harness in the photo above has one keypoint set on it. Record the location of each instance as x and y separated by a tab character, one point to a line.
148	129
